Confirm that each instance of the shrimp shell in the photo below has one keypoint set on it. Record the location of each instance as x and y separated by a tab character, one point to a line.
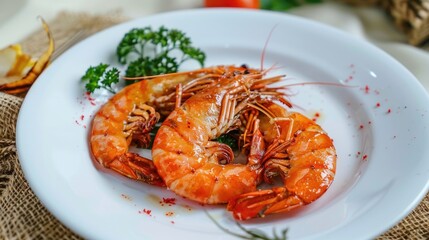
187	158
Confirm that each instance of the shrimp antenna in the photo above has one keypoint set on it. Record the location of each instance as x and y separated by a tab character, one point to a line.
265	46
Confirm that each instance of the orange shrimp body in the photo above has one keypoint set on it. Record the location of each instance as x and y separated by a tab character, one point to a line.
194	166
112	127
130	115
300	153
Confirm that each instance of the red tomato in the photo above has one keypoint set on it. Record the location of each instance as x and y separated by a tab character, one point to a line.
232	3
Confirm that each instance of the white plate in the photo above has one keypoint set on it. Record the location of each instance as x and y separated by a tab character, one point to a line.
10	8
380	128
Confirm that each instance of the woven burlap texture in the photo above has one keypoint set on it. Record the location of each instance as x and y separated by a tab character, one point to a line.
22	216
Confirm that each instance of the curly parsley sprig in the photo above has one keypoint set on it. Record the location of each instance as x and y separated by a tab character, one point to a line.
101	77
150	52
145	52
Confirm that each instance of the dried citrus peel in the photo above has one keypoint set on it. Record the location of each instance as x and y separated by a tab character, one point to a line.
13	62
24	71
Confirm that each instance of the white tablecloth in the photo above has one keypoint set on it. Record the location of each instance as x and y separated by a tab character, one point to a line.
18	19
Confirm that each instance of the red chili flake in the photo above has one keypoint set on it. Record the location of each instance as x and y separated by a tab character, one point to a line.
169	214
171	201
349	78
90	99
82	117
389	110
358	153
88	96
366	89
146	211
378	104
126	197
361	126
365	157
172	222
316	116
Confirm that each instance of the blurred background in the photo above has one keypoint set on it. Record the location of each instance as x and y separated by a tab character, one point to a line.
398	20
399	27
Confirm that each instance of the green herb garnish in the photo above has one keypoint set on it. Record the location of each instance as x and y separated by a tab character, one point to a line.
229	140
100	77
251	234
151	52
284	5
145	52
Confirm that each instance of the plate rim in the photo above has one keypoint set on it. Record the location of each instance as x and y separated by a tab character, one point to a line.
68	223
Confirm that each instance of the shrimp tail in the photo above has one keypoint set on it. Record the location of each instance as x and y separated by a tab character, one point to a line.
220	152
137	167
263	202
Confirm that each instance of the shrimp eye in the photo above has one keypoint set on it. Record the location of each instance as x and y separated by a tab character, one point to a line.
244	66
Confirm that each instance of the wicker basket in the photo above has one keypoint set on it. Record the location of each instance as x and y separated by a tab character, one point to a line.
410	16
362	3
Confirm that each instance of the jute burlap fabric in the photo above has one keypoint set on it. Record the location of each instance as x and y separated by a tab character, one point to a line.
22	216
